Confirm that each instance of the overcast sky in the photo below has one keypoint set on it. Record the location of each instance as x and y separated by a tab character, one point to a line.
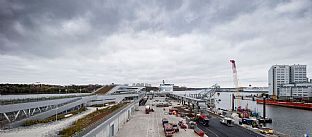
183	42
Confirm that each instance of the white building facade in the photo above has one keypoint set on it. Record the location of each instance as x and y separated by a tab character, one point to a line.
278	75
298	74
293	91
289	81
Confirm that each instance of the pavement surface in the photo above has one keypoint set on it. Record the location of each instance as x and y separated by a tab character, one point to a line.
216	129
149	125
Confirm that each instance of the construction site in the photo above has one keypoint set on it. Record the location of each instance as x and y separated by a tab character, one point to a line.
123	111
147	121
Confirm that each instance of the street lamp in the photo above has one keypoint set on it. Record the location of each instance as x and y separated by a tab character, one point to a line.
56	113
265	96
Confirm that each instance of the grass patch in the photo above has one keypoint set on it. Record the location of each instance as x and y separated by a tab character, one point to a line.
89	119
104	89
53	118
103	105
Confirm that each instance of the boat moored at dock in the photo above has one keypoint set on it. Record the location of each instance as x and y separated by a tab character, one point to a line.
300	105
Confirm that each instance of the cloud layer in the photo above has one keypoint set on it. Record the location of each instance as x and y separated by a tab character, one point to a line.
183	42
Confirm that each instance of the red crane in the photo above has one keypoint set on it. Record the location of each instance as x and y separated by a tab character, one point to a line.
235	79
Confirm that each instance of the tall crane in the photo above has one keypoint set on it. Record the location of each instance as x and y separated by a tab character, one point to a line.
235	79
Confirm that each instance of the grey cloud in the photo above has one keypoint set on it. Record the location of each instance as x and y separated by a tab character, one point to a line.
184	42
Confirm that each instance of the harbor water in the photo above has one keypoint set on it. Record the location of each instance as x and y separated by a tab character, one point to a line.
291	121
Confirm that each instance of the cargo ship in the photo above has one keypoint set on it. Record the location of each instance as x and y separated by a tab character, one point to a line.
300	105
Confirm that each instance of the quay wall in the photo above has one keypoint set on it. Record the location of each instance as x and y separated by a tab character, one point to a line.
111	126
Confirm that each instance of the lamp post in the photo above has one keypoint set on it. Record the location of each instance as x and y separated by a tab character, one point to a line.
56	113
264	98
233	99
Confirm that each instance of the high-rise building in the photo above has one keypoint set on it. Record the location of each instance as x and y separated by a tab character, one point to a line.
278	75
289	81
298	74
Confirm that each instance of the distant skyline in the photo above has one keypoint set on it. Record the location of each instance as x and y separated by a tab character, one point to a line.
188	43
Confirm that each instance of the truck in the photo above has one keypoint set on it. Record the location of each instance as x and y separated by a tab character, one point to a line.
202	119
168	129
227	121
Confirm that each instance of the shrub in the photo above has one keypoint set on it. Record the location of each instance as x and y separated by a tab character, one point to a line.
89	119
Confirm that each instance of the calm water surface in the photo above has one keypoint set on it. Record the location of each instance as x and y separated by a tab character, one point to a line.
291	121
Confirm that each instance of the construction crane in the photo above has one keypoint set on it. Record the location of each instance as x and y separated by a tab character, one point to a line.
235	79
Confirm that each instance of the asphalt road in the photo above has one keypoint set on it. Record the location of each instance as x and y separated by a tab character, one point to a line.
216	129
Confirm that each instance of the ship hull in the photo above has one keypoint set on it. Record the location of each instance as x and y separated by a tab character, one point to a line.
300	105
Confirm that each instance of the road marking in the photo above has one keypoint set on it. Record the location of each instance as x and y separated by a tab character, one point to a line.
183	134
158	115
212	132
153	116
148	125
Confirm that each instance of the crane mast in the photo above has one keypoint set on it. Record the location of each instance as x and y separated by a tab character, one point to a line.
235	79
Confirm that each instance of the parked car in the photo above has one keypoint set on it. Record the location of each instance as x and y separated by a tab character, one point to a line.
175	127
191	124
164	121
266	130
180	123
168	129
183	126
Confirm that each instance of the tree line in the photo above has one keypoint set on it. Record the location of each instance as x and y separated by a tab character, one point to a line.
6	89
